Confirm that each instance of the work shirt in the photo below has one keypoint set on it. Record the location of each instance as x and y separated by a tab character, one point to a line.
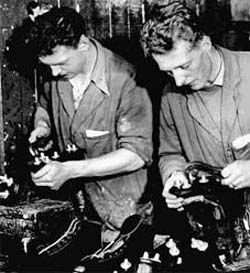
113	113
188	132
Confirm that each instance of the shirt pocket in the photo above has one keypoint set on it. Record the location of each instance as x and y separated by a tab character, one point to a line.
99	144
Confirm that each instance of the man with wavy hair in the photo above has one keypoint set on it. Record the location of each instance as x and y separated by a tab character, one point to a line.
204	117
206	106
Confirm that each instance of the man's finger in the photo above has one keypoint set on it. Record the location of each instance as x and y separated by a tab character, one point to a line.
174	205
228	170
32	137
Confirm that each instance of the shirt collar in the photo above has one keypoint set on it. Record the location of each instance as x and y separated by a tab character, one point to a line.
78	81
220	77
99	74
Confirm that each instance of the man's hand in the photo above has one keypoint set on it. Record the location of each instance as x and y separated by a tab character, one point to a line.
40	131
177	179
237	174
52	175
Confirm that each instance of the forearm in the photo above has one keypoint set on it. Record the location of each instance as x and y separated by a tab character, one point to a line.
171	155
120	161
42	118
41	125
170	163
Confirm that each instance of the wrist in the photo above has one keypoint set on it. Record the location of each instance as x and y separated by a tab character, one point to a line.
174	173
76	168
42	123
43	126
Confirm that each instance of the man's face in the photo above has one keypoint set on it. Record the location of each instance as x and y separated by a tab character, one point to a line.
65	62
188	65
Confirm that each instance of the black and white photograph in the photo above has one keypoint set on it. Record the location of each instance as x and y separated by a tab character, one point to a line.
124	136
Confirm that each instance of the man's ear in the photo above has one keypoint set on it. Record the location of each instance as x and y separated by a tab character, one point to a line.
83	43
206	43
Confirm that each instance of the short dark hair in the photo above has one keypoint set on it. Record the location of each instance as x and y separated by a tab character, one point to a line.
32	5
59	26
169	21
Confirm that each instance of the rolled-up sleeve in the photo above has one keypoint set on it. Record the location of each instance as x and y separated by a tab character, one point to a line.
43	108
171	156
134	124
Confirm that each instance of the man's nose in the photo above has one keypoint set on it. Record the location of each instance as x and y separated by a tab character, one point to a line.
55	70
178	77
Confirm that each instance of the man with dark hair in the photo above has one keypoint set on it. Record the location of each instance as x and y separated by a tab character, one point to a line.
95	104
205	112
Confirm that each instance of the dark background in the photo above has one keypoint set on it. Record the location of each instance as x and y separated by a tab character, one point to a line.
117	24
